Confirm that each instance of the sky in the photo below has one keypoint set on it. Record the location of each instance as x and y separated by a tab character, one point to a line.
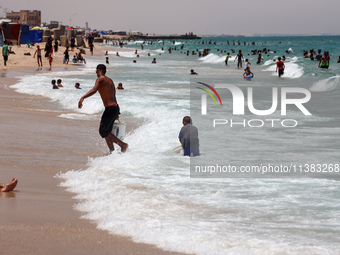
202	17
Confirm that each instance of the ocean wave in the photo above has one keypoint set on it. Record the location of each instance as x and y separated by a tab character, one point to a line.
292	70
328	84
213	59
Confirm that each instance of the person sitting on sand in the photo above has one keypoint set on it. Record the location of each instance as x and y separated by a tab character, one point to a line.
59	83
7	187
193	72
120	86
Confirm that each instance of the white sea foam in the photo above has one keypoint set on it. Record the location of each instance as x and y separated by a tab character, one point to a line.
128	54
292	70
67	96
159	51
328	84
77	116
213	59
147	193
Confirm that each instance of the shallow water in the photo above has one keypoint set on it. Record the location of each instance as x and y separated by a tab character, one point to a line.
147	193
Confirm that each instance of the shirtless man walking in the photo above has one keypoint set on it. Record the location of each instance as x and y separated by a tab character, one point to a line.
107	91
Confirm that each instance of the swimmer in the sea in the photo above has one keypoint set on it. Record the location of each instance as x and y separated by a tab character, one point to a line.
247	73
193	72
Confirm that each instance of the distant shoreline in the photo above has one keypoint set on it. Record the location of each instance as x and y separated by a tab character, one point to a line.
150	37
195	37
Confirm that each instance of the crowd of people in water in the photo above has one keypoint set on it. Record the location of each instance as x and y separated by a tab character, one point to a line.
323	59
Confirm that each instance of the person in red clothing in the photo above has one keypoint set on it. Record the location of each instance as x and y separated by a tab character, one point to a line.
281	66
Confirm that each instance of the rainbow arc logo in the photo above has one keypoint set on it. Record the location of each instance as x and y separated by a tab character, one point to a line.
209	93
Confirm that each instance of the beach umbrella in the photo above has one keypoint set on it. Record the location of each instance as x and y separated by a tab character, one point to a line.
70	28
103	32
36	28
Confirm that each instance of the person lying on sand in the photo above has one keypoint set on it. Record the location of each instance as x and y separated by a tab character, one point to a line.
6	187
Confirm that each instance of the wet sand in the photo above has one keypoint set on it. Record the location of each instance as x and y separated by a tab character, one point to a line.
38	216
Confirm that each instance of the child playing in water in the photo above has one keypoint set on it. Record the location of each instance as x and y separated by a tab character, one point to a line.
280	66
246	64
226	58
248	74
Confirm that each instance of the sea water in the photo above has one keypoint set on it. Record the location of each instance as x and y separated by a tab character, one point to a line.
148	193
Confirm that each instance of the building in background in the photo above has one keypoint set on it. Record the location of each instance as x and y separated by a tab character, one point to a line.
32	18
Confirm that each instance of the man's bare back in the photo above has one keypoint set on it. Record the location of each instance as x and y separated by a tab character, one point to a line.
107	90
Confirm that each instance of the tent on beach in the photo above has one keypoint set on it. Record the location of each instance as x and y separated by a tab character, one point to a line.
20	33
36	36
12	33
25	31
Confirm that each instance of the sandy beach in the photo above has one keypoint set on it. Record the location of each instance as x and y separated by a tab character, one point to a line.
38	216
20	61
